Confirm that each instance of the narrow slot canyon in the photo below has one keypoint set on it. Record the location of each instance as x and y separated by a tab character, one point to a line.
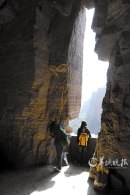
41	57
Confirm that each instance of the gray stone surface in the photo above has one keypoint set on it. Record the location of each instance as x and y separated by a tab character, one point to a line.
37	80
44	180
41	47
113	45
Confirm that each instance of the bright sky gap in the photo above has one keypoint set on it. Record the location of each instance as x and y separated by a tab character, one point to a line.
94	71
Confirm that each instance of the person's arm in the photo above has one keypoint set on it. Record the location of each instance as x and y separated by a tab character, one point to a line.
78	133
52	129
88	132
58	131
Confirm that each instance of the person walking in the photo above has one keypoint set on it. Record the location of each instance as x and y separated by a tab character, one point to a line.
82	140
55	132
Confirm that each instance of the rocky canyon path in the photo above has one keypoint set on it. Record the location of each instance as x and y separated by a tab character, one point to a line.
44	180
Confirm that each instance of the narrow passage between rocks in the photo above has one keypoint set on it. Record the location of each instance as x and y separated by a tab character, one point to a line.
43	180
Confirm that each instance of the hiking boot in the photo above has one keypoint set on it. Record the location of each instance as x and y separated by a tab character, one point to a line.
56	169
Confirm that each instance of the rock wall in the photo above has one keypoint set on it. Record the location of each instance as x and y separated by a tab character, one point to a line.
41	45
112	26
36	75
90	112
75	65
93	115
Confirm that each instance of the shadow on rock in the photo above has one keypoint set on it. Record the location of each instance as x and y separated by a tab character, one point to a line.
27	181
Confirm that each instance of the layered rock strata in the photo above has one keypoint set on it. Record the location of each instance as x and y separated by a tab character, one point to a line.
41	45
112	26
38	79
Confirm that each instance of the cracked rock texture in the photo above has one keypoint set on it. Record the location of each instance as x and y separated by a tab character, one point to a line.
41	54
112	26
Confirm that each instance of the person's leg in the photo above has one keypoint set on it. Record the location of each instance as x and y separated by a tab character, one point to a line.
59	150
84	155
64	160
80	155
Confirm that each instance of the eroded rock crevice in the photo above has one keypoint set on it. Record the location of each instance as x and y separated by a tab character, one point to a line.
113	45
41	55
34	44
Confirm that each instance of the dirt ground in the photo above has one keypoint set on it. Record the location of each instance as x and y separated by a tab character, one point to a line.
43	180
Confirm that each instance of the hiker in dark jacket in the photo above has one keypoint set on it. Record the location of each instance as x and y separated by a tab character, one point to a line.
82	140
56	132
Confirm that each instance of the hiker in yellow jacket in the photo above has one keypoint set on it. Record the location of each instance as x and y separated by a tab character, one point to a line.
82	140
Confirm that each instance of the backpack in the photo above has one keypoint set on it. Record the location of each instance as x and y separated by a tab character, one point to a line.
83	139
64	140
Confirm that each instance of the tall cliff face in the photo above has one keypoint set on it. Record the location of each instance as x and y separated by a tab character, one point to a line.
75	65
90	112
93	117
112	26
41	45
37	74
